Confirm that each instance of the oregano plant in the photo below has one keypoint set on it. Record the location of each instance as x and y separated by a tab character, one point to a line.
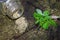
43	19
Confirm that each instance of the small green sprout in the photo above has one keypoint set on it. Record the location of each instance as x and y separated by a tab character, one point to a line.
43	19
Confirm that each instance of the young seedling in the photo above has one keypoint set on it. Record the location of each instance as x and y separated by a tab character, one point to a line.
43	19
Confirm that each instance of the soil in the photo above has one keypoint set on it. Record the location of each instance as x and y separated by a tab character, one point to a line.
33	32
50	34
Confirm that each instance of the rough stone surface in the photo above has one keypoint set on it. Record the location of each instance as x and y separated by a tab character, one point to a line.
22	24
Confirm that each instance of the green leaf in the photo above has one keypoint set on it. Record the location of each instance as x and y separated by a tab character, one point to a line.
39	11
46	25
46	13
41	19
41	24
37	22
47	18
53	23
36	16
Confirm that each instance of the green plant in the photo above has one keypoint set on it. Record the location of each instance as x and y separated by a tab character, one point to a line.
43	19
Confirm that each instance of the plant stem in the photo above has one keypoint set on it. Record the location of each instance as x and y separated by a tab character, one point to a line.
55	17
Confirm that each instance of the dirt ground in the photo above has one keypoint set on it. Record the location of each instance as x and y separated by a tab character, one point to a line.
32	32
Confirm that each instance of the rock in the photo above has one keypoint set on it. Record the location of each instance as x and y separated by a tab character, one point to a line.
17	15
21	24
12	8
